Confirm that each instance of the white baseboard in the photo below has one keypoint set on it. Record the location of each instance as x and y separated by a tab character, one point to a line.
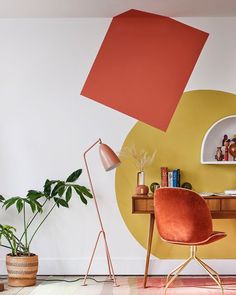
127	266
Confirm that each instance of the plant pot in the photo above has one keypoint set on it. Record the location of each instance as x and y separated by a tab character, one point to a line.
22	270
1	287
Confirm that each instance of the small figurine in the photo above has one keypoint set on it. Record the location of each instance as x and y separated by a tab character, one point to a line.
219	155
224	139
226	155
225	144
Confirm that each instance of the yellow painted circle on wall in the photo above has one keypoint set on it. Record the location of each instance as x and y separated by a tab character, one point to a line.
180	147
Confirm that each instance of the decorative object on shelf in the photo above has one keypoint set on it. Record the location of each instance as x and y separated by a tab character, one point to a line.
225	138
154	186
22	264
110	161
213	139
141	178
141	160
187	185
141	189
232	147
225	144
219	155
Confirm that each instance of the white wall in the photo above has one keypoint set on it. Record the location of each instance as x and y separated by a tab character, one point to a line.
45	126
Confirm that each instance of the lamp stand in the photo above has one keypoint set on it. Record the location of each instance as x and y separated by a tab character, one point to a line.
102	231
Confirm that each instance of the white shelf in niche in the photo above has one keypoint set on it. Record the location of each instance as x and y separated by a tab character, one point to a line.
213	138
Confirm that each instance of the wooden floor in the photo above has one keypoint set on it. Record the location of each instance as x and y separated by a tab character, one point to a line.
192	285
40	279
19	290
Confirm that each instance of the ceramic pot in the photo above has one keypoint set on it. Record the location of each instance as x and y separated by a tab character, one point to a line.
22	270
232	149
141	189
219	155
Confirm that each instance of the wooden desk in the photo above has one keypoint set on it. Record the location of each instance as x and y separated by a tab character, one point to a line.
221	207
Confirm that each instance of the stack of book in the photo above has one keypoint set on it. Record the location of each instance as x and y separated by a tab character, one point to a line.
170	178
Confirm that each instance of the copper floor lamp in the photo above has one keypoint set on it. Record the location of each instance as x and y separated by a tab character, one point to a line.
110	161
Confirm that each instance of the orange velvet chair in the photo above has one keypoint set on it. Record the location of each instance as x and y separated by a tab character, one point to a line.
183	218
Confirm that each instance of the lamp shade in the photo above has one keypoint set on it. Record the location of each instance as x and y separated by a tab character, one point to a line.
108	157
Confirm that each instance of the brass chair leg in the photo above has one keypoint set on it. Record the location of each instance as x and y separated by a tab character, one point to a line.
218	282
212	271
176	270
179	269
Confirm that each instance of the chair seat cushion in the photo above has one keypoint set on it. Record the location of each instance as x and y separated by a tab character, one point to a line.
215	235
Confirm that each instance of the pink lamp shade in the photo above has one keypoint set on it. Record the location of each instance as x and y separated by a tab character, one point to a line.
108	157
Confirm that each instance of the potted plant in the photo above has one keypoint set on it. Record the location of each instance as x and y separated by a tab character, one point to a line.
22	264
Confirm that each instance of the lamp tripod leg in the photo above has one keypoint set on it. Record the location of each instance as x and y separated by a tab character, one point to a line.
91	259
108	257
109	263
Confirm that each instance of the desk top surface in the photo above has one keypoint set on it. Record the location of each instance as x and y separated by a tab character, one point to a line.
205	196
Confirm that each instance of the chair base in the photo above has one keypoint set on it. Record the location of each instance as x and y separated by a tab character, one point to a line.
174	273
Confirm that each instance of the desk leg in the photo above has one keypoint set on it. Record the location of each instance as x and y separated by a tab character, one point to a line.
149	246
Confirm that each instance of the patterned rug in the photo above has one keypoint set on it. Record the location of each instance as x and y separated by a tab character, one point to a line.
134	286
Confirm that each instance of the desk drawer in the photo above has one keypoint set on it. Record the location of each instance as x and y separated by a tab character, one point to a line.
213	205
228	204
143	205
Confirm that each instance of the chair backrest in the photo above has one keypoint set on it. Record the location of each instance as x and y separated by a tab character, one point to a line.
182	215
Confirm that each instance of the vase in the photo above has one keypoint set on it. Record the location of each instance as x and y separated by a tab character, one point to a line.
219	155
232	150
22	270
141	189
140	178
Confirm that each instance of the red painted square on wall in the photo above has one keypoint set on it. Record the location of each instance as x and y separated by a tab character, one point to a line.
143	66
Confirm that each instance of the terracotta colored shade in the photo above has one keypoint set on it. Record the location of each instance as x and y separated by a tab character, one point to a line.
143	66
108	157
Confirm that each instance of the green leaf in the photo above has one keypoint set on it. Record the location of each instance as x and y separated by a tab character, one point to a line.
2	199
56	201
19	205
33	207
34	195
38	206
82	198
32	204
56	188
8	203
63	203
61	190
68	194
85	191
47	187
74	176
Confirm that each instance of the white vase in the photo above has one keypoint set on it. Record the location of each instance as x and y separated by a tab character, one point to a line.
140	178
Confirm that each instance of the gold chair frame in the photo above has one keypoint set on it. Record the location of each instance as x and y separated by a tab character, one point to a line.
212	273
